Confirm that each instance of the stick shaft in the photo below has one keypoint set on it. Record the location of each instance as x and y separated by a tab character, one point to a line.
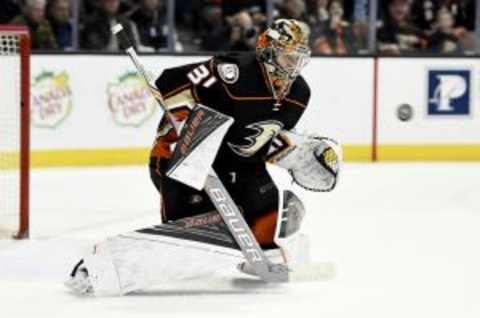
240	230
151	85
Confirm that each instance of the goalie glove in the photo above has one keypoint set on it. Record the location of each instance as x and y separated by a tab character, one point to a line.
312	161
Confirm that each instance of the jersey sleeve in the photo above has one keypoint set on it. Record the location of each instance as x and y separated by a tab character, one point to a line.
174	82
190	84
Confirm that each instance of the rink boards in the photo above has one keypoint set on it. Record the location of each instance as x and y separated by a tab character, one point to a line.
93	110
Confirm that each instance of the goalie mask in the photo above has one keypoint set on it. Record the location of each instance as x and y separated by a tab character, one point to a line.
284	47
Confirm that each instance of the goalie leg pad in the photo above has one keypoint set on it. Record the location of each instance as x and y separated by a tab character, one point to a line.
293	247
136	261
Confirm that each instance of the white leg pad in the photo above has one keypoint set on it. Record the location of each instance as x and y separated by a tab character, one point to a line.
136	261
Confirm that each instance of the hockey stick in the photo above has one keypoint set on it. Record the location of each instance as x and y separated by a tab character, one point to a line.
216	191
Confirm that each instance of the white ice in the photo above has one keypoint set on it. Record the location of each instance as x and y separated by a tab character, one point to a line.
404	238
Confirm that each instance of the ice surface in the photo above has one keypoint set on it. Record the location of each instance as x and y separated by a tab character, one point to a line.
404	239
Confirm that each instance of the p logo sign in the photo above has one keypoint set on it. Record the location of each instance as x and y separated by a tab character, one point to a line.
449	92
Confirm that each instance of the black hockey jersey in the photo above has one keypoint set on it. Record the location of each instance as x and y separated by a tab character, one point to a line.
236	85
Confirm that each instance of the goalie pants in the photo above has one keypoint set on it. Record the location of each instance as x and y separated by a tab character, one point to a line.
252	189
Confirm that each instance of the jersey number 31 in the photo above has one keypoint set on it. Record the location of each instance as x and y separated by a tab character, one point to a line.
201	74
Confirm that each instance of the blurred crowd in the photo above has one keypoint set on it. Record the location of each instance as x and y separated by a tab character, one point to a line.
441	26
336	26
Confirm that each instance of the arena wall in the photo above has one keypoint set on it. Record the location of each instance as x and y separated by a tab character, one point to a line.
444	98
93	110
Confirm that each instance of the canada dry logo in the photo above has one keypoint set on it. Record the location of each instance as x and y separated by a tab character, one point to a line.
51	99
130	101
449	92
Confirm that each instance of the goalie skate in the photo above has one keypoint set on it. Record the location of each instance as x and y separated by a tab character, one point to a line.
79	281
301	268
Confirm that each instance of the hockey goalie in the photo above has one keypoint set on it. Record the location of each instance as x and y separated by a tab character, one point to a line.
264	95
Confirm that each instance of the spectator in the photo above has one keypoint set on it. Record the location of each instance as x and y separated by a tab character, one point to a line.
319	12
8	10
243	35
189	23
151	23
96	34
354	10
360	10
185	12
336	35
424	13
259	18
59	17
293	9
40	29
216	34
396	34
445	39
463	12
90	7
232	7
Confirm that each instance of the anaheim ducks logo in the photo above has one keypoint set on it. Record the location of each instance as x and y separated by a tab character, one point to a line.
265	131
